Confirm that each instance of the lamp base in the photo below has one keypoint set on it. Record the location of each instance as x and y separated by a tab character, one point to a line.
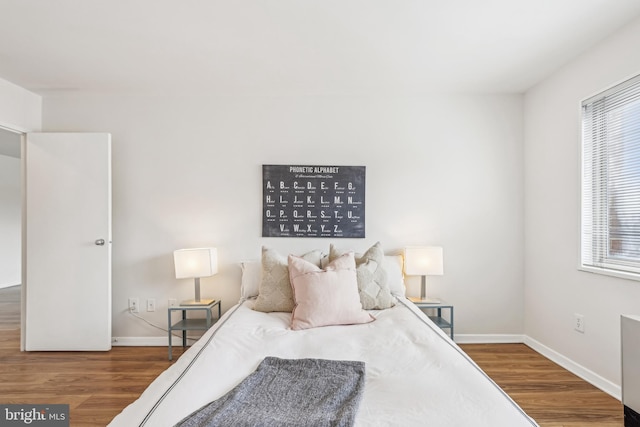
425	300
203	301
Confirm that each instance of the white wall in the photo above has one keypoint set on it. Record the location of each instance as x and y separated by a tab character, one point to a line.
10	221
554	288
443	170
20	109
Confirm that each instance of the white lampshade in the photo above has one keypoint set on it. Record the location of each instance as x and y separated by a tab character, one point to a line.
423	261
193	263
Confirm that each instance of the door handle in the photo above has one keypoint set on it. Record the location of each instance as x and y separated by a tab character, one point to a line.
100	242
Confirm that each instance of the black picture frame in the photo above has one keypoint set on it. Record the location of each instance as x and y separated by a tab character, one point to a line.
313	201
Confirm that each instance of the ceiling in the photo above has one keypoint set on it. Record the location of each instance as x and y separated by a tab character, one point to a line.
297	47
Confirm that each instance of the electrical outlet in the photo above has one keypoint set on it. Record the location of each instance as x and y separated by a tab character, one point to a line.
134	305
151	304
172	302
578	322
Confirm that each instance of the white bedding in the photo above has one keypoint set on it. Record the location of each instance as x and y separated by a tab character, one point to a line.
415	375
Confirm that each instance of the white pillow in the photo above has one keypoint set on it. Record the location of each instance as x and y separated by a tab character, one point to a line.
250	283
393	264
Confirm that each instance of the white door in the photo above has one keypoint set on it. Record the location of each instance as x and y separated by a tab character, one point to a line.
68	241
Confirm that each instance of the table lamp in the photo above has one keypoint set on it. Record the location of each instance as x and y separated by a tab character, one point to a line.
196	263
423	261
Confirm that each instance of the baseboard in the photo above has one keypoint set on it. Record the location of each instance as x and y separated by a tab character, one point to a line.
488	338
589	376
148	341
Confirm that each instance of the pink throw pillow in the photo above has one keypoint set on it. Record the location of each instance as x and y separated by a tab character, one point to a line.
325	297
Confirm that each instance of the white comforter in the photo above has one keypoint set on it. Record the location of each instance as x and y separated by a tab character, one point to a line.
415	375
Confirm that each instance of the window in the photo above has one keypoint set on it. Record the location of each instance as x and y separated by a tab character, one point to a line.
611	179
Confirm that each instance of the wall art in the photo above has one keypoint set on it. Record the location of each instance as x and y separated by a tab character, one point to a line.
313	201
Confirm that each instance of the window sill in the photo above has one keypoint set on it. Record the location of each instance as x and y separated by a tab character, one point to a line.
612	273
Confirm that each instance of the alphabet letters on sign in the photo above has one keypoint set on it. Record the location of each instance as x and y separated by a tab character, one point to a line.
313	201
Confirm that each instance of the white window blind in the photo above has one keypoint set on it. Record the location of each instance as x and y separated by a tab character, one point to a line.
611	179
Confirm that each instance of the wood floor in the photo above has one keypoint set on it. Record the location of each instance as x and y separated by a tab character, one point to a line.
98	385
550	394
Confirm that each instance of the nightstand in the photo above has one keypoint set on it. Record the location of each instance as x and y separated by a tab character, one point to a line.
187	324
434	311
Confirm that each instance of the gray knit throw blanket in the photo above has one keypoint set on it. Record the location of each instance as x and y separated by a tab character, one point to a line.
284	392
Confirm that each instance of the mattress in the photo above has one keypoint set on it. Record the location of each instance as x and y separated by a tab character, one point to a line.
415	374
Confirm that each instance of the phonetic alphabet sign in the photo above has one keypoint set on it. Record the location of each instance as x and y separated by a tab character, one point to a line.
313	201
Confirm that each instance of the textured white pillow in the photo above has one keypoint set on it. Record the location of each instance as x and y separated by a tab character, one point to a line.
373	282
325	297
275	293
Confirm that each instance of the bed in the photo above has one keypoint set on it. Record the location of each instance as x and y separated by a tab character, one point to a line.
414	374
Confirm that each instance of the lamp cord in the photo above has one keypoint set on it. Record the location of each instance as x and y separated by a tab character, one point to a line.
159	327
